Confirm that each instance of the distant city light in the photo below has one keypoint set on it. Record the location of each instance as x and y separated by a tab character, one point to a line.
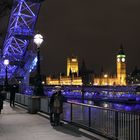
105	76
105	105
74	60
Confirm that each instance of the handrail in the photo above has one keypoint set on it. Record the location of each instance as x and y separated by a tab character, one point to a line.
87	105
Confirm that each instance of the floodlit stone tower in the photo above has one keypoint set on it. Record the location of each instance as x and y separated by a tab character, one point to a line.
121	67
72	66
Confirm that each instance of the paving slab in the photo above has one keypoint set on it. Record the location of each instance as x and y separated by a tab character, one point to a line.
17	124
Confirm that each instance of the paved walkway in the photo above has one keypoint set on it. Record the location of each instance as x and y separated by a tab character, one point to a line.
17	124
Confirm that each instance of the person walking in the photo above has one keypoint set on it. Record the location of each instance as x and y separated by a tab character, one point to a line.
12	95
51	108
1	102
56	108
2	98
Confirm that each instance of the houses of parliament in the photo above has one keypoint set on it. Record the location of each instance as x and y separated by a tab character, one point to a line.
74	78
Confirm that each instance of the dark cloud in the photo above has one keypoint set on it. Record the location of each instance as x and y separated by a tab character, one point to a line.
90	29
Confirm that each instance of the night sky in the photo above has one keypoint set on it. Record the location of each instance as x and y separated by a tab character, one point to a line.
91	30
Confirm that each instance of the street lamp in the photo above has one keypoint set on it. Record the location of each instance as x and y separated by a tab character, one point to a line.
6	63
38	39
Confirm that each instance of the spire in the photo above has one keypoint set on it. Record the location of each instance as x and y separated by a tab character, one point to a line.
83	67
136	68
73	56
102	71
70	74
121	52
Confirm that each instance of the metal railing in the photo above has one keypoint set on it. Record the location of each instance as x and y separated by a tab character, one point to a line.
113	124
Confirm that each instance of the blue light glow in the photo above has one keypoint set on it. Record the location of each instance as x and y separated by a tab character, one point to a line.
20	30
34	63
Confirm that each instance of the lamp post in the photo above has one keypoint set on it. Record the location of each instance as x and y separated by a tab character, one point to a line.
6	63
38	39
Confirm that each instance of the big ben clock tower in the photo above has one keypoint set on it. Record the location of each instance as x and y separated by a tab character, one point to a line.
121	67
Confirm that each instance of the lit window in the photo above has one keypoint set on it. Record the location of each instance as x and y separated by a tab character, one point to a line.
74	60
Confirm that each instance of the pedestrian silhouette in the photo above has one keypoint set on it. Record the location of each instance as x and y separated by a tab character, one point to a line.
2	98
51	108
56	107
12	95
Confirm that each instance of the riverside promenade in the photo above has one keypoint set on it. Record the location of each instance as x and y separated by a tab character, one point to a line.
17	124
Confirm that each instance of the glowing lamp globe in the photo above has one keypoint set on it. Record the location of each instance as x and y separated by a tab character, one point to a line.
6	62
38	39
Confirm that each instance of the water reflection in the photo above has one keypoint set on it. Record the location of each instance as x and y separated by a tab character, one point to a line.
118	106
125	101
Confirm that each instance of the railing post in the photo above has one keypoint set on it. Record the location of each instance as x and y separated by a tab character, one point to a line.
116	125
83	93
71	112
89	111
48	109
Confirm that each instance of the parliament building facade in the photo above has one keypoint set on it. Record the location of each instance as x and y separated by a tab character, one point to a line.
72	74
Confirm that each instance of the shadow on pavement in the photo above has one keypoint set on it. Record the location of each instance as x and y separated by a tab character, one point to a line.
72	130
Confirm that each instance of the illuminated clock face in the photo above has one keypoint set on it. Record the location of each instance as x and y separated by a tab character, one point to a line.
118	59
123	59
